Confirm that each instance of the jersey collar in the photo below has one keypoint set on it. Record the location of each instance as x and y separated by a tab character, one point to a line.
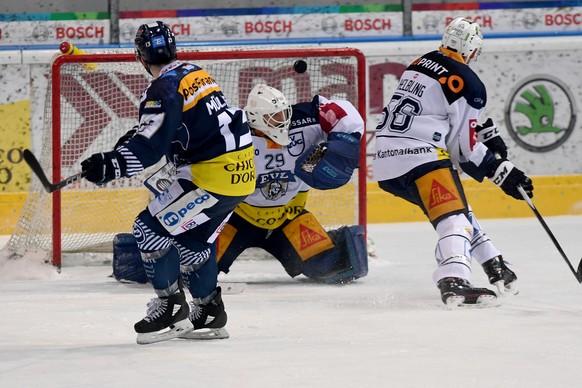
450	53
169	67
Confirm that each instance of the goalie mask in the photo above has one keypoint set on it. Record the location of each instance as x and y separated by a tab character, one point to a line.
464	37
269	112
155	44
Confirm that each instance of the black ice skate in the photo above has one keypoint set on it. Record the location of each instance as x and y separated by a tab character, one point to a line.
166	318
500	275
457	292
208	318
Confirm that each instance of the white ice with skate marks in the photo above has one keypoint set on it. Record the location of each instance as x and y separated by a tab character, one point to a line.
389	329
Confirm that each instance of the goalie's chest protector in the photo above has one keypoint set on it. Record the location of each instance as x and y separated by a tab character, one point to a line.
279	194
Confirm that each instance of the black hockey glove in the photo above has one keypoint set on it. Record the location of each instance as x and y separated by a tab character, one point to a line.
488	134
505	175
104	167
125	137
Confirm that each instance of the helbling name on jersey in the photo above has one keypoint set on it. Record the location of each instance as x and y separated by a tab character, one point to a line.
411	86
403	151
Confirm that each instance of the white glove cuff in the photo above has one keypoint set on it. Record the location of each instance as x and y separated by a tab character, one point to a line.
502	172
487	133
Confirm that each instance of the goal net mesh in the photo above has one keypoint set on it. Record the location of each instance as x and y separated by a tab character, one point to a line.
98	103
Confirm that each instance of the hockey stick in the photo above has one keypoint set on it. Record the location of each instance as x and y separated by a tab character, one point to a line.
35	166
527	199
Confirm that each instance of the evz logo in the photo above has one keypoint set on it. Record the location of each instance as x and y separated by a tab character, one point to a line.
297	145
273	185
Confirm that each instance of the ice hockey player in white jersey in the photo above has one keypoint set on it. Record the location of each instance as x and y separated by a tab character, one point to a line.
311	144
428	133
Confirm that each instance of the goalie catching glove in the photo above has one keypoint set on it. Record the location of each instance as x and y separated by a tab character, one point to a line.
505	175
488	134
331	164
104	167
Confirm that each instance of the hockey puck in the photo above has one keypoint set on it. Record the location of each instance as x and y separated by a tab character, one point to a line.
300	66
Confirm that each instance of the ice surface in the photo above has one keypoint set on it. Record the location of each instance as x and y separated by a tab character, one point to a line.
389	329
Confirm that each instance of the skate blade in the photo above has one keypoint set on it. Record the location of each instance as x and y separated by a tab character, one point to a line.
173	331
483	301
506	290
206	334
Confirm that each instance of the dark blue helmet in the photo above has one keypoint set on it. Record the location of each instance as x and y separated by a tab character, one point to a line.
155	44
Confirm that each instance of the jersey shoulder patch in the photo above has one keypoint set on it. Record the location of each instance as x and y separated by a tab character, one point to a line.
457	80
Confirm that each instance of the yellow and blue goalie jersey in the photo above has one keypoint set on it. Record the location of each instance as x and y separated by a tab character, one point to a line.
184	116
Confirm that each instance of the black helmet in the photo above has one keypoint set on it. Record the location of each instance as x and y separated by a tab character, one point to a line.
155	44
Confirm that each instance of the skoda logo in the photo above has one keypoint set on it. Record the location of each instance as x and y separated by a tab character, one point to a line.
540	113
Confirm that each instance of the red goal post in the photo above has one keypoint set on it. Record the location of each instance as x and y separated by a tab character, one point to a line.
87	110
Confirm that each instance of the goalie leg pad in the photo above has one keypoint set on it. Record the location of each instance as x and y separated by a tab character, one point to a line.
127	262
353	254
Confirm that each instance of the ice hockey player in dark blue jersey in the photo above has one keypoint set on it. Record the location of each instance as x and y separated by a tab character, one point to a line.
429	132
185	120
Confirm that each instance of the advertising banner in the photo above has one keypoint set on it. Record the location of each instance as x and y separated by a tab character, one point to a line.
271	23
14	127
498	18
52	29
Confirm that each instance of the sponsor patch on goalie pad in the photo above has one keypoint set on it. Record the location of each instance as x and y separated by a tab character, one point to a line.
439	193
307	236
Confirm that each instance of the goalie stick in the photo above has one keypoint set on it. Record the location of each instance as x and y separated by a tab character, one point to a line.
36	168
578	273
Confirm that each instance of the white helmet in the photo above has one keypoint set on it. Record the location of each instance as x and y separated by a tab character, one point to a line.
464	37
263	106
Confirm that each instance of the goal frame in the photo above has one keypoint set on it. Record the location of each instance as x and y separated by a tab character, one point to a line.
193	56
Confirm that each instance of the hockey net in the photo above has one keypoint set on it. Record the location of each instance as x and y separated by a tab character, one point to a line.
93	99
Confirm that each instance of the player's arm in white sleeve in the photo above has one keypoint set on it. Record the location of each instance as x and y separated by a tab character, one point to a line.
342	116
472	157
